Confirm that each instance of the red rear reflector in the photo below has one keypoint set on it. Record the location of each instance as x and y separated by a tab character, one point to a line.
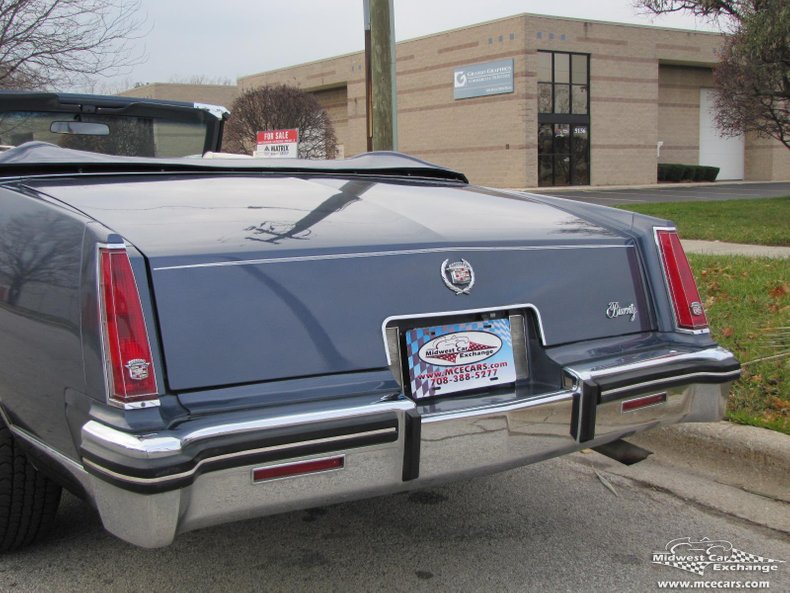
689	313
128	351
298	468
643	402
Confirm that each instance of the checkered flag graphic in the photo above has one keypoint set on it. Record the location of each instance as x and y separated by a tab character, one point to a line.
501	328
696	567
742	557
415	340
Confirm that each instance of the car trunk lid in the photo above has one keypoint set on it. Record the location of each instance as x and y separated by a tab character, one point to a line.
268	278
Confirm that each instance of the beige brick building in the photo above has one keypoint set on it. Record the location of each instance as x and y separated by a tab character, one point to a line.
591	103
212	94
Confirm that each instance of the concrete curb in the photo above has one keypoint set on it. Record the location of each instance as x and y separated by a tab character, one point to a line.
751	458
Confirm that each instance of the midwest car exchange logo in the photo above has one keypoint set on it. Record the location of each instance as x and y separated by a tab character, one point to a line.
718	555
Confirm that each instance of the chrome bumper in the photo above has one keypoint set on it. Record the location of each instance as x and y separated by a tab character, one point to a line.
149	488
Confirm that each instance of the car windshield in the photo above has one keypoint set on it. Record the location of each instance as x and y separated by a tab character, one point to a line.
108	134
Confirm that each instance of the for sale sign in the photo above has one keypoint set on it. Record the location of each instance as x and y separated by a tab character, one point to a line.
278	144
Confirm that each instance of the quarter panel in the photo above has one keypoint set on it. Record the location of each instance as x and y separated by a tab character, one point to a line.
40	254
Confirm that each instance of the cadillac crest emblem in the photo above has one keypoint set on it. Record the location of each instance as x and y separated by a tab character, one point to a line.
458	276
138	369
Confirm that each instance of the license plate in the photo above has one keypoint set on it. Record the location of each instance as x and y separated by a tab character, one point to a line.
446	359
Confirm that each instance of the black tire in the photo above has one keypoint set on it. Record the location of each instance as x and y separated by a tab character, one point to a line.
28	499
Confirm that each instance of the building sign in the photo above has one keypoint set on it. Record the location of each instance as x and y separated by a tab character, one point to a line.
480	80
278	144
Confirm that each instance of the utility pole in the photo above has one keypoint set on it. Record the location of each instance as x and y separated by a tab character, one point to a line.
381	90
368	78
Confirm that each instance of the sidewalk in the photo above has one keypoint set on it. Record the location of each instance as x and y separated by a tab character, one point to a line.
650	186
668	192
722	248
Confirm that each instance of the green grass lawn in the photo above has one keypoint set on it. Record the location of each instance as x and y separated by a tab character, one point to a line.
760	222
748	305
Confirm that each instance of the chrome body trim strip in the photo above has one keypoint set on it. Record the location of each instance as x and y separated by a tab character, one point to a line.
332	256
727	376
73	467
95	434
716	354
295	420
129	445
192	471
148	403
693	332
502	408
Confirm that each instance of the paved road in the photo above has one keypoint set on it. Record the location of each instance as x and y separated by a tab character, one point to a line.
672	193
552	527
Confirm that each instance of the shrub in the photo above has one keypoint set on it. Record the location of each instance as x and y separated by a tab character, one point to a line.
710	173
674	172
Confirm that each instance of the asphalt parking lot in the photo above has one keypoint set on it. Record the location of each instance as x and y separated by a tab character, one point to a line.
568	524
671	193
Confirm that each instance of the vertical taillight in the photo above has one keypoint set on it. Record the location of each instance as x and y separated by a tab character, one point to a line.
689	313
130	371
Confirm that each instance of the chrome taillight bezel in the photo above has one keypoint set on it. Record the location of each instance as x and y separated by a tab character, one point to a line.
150	398
668	288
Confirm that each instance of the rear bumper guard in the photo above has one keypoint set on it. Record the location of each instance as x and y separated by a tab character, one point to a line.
693	386
150	487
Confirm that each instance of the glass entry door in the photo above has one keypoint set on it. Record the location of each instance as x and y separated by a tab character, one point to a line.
563	154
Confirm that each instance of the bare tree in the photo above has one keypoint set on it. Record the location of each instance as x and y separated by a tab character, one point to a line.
35	249
754	74
703	8
277	107
202	79
753	77
128	136
51	43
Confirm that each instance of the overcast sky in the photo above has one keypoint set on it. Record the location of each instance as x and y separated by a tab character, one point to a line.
231	38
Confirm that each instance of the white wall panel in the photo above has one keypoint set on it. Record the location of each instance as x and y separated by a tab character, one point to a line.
716	150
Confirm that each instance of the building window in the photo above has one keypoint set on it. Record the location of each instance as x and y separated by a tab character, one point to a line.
563	118
563	82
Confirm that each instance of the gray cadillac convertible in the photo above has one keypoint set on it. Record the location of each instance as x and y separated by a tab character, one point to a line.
191	341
